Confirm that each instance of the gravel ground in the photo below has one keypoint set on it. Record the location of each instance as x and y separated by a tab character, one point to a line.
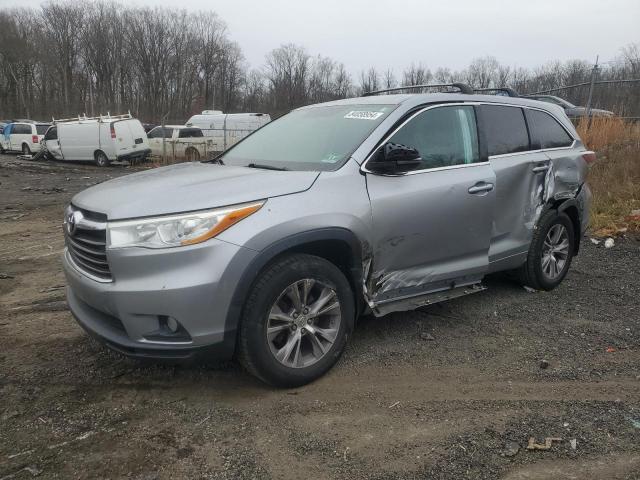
450	391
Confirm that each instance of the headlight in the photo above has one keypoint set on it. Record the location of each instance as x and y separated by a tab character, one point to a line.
177	230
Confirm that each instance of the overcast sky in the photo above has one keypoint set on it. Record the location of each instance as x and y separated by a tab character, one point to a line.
450	33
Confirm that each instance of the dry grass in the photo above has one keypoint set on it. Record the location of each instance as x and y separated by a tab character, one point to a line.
615	177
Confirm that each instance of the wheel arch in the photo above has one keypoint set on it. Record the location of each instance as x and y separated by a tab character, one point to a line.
570	208
339	246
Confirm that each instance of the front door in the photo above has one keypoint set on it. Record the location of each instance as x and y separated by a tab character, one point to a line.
432	225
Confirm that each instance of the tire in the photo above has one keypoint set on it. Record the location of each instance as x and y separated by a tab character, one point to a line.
270	305
192	155
101	159
25	149
539	271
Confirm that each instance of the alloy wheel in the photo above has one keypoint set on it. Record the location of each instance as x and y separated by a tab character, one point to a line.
555	251
303	323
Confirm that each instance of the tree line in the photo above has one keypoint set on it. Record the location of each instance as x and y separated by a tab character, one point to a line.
71	57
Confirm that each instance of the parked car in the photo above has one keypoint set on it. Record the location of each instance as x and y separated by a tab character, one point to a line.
148	126
101	139
226	129
570	109
22	137
378	204
179	142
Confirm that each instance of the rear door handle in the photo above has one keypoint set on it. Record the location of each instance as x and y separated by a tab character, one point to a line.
481	188
541	168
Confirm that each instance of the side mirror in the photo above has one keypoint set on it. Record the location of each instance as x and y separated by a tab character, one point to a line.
393	158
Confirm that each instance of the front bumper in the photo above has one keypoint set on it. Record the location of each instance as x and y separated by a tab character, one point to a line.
193	285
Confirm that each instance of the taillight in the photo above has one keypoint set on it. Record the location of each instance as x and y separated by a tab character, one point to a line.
113	131
589	157
35	139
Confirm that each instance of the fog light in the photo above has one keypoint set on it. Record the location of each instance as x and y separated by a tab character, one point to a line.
172	324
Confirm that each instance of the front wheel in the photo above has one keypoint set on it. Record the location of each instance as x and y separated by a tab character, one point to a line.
550	253
296	321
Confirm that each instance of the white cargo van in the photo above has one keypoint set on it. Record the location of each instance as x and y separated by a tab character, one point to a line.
227	128
23	137
102	139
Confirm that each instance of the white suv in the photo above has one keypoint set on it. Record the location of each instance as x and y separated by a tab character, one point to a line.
23	137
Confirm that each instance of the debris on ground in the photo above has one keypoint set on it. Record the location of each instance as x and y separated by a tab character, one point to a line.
609	242
529	289
511	449
595	241
394	404
532	445
574	443
544	364
611	349
427	336
5	276
635	423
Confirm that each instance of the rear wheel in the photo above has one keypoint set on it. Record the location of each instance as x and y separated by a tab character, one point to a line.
296	321
25	149
192	155
550	253
101	159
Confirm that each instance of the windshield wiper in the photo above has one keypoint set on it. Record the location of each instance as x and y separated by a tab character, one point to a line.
266	167
217	160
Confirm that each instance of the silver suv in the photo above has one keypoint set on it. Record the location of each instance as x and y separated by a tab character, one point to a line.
367	205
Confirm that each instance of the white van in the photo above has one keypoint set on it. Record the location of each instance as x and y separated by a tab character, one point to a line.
102	139
227	128
23	137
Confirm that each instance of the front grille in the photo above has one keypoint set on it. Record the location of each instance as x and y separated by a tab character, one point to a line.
87	242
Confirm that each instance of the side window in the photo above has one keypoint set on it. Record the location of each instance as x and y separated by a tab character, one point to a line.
159	132
545	130
443	136
190	133
505	129
20	129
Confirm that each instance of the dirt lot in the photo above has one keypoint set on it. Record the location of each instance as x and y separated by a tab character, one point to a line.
450	391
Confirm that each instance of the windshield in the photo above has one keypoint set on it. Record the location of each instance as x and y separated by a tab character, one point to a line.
317	138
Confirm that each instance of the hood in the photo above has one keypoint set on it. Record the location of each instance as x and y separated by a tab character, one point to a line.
187	187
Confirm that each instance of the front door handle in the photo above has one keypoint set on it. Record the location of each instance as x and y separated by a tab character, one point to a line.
541	168
481	188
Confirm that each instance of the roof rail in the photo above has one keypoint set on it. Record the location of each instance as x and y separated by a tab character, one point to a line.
463	87
99	118
506	91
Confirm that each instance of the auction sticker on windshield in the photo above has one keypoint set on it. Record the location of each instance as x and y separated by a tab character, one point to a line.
363	115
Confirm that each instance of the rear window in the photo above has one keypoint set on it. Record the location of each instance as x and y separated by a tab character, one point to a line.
160	132
505	129
42	128
190	133
545	130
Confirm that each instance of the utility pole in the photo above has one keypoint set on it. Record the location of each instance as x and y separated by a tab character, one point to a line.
594	74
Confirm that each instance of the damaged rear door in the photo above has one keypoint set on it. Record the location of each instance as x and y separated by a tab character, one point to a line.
432	225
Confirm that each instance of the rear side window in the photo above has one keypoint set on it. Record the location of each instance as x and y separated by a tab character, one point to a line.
545	130
22	129
505	129
444	136
190	133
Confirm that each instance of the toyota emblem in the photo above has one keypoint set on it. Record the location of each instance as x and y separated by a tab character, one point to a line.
73	218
